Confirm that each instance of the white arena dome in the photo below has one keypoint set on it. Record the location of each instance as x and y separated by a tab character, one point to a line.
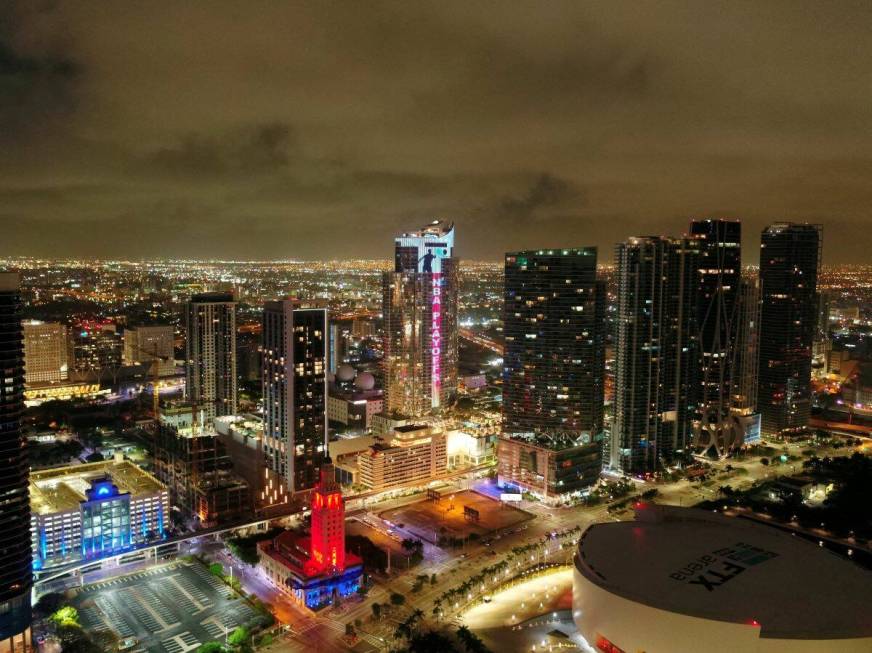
681	580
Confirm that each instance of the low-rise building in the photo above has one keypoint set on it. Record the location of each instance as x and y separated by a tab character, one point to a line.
550	466
383	424
344	453
200	476
144	344
93	510
242	437
354	409
471	447
412	454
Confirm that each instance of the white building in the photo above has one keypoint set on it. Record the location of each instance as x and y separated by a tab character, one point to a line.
354	409
411	455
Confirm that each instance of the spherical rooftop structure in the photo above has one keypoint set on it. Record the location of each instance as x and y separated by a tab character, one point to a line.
345	373
364	381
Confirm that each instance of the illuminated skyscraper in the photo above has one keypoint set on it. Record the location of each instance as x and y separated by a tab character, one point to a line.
210	327
744	401
719	271
554	326
295	391
15	546
790	257
420	322
656	352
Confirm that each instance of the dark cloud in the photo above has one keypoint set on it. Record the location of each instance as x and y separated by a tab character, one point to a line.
255	150
546	192
35	89
319	129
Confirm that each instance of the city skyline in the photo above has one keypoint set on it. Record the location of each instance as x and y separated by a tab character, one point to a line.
340	125
435	327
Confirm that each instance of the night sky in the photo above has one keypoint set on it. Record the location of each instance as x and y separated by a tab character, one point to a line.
318	130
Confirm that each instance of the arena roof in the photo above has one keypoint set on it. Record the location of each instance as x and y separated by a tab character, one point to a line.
709	566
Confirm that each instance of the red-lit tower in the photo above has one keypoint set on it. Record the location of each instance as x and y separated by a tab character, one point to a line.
328	522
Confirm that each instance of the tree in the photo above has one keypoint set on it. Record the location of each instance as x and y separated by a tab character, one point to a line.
238	637
95	457
48	604
75	640
376	611
216	569
66	616
433	579
764	461
397	599
471	641
211	647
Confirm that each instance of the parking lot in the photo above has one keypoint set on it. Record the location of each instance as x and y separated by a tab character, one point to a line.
169	609
430	519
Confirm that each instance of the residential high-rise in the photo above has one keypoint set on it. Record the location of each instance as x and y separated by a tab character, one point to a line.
790	256
656	352
420	322
210	327
744	401
46	352
295	391
15	552
143	343
719	271
554	327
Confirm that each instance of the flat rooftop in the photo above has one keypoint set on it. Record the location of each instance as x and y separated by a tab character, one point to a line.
709	566
550	441
63	488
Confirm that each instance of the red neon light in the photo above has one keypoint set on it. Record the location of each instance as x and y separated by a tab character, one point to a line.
604	645
328	530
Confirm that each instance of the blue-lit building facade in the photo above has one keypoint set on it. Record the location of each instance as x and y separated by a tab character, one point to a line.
91	511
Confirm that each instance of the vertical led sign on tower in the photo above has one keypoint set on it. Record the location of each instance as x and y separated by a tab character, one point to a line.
420	312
